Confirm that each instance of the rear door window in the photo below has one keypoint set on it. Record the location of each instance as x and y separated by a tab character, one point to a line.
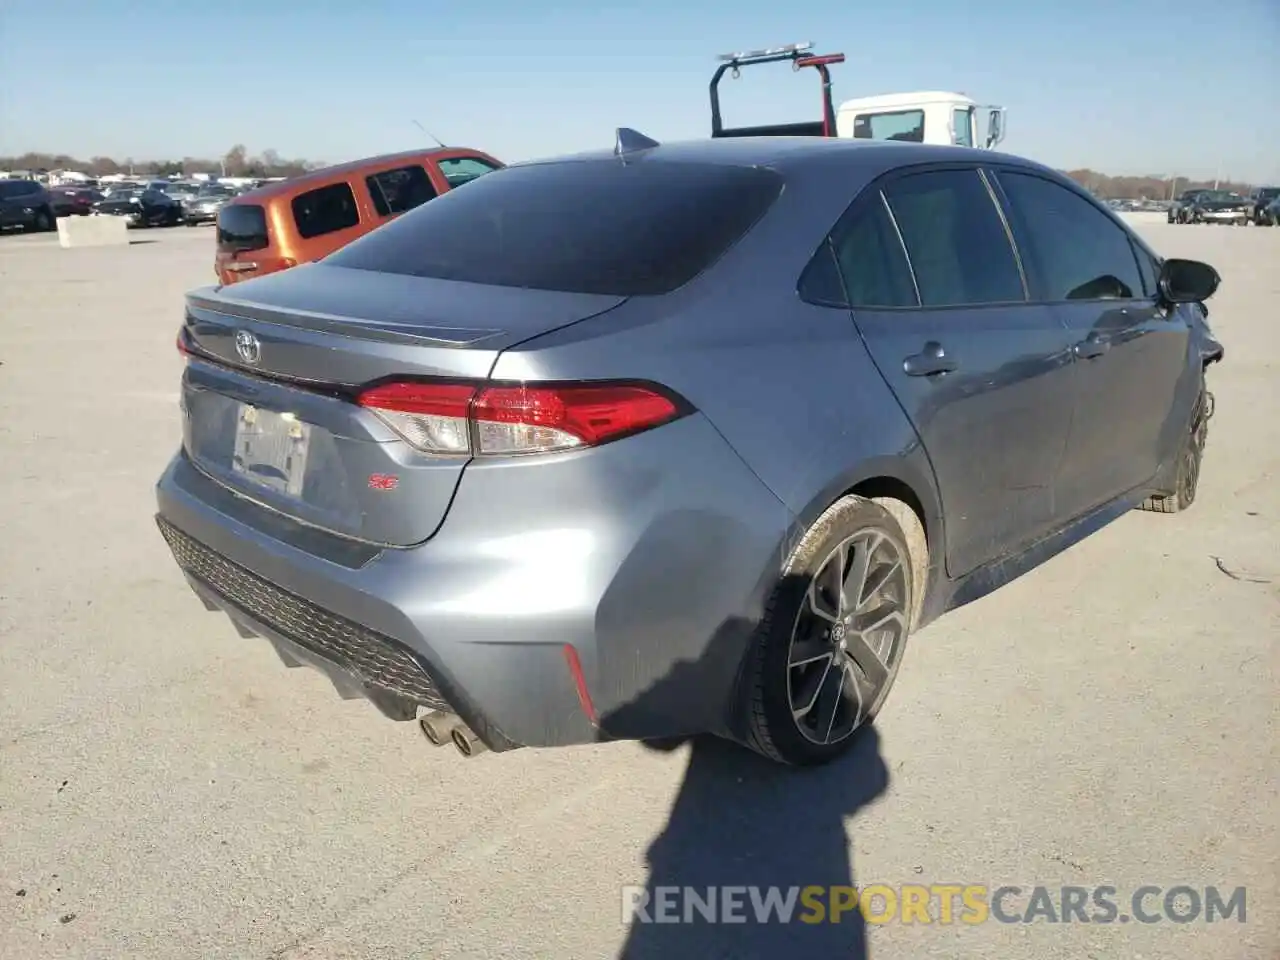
325	210
1076	251
395	191
460	170
621	229
955	239
242	226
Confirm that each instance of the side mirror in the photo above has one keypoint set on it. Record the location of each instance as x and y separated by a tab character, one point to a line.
1187	281
995	127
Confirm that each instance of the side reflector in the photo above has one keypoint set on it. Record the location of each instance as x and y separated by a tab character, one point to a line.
580	683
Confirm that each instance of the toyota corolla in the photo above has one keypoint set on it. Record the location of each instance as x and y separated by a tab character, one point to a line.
678	438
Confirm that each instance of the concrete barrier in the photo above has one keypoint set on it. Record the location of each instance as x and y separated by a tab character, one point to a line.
93	231
1144	218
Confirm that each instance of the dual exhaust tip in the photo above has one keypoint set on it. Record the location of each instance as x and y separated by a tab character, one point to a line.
440	728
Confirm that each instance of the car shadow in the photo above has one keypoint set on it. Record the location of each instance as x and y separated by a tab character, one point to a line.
743	821
133	243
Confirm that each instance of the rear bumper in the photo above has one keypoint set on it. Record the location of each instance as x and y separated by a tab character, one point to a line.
650	558
1223	215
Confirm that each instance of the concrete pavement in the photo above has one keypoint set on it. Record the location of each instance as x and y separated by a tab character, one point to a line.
169	789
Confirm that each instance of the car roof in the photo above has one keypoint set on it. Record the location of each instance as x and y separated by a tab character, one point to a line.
791	154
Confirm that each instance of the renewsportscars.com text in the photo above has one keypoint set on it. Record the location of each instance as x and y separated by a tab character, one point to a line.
944	904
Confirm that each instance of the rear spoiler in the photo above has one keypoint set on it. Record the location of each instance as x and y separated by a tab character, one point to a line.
798	54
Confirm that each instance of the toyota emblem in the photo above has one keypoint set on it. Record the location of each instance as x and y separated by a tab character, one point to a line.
248	347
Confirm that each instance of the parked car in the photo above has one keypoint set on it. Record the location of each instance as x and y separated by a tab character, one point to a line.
1259	199
122	186
1180	210
697	456
203	207
1219	206
26	204
282	224
144	208
181	190
1270	216
73	201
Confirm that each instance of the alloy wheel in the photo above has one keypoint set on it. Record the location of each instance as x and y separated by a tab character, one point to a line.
848	637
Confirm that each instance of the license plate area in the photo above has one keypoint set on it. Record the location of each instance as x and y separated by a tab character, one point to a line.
271	449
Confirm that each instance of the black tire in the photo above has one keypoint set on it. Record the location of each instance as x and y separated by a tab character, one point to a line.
1190	457
883	529
44	221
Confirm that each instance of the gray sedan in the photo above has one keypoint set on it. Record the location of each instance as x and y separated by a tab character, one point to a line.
678	438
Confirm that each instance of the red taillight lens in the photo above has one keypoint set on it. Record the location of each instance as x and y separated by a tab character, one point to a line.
459	419
528	419
182	344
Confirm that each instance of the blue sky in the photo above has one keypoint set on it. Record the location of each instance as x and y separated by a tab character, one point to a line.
1123	86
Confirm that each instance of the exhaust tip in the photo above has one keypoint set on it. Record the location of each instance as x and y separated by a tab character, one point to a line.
466	741
438	727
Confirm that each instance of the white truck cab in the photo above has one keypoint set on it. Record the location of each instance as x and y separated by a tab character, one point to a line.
928	116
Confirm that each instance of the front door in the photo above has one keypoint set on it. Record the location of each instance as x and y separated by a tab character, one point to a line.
1131	351
985	377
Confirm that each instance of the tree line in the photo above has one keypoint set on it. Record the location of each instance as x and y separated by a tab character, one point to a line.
236	162
1147	188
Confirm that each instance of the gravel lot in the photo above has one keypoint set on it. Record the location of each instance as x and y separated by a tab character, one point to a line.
168	789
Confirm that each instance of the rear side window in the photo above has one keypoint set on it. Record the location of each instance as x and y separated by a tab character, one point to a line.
1077	252
874	268
460	170
395	191
325	210
604	227
906	125
242	226
956	241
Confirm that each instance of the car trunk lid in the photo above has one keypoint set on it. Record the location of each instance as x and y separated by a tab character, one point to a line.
277	363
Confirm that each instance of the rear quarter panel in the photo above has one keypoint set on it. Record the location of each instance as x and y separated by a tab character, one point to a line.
789	385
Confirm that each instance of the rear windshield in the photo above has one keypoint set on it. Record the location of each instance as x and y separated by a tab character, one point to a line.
242	226
600	227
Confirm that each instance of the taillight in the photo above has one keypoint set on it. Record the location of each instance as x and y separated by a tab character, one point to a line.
183	349
431	417
505	420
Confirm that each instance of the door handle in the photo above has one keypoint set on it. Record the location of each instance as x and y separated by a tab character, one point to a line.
931	360
1091	346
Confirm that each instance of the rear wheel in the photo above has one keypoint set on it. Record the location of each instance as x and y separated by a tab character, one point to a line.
43	221
1190	456
831	642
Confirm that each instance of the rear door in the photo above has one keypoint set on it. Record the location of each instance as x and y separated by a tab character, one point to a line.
1131	352
984	376
244	240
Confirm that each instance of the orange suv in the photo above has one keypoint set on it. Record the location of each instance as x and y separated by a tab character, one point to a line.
295	221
